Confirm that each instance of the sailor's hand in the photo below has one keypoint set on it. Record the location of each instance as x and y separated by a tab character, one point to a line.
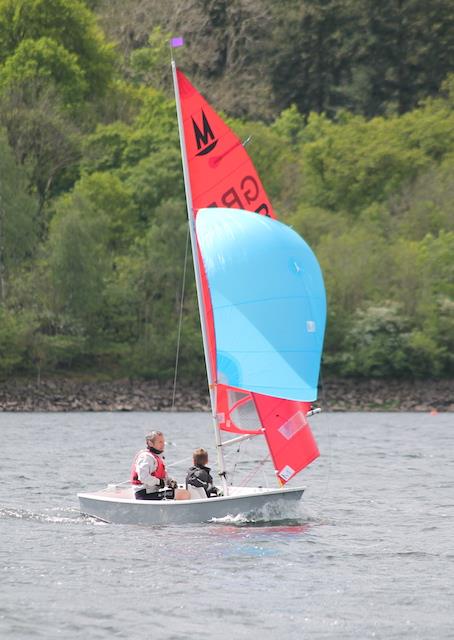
173	484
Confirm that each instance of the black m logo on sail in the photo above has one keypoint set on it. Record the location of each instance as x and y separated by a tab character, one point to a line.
204	138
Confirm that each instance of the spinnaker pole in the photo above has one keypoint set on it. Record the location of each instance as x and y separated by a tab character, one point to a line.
211	375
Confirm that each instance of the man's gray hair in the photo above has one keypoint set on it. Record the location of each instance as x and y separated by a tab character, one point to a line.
151	436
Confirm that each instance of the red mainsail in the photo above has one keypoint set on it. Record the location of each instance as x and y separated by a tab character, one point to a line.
221	174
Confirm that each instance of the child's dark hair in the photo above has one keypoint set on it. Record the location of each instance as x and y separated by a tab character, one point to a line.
200	457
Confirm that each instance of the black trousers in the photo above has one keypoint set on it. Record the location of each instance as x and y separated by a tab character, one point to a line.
155	495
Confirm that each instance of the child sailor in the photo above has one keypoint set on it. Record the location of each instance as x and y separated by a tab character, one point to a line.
199	481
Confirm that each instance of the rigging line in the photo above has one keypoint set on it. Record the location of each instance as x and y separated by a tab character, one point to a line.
180	320
178	462
238	460
265	479
189	459
324	398
252	473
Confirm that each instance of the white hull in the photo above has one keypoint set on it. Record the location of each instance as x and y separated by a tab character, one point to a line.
117	504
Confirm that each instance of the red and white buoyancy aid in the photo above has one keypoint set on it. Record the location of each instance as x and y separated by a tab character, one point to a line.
159	472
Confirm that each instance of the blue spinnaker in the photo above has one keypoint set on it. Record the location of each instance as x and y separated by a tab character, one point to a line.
268	300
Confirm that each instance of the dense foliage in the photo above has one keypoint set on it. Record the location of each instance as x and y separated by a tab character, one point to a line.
350	109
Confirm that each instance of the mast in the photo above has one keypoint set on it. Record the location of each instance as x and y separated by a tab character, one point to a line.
198	280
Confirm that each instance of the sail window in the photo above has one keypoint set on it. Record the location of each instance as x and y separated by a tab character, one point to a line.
293	425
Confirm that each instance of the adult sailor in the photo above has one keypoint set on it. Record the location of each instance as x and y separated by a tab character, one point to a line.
148	472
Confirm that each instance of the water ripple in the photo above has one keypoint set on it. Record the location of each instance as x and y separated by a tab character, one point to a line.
26	514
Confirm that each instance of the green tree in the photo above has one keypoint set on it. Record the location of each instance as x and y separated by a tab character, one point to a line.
104	197
121	146
408	52
427	205
225	51
14	332
78	262
317	41
103	150
18	228
351	164
150	64
154	179
43	60
152	276
381	344
53	57
70	24
44	139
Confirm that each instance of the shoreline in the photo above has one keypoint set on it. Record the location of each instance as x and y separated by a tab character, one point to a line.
336	394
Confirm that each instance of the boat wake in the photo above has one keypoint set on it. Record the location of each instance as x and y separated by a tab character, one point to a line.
276	514
53	516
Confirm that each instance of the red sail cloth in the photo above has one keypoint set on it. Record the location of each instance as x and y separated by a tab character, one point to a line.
288	435
221	174
226	408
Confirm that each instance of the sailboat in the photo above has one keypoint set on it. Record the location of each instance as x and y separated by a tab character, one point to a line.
262	309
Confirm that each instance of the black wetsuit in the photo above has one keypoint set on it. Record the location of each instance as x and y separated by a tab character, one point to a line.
200	476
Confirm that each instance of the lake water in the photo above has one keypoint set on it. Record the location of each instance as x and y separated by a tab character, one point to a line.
369	554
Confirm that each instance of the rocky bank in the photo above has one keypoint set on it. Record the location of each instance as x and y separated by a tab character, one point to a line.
136	395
